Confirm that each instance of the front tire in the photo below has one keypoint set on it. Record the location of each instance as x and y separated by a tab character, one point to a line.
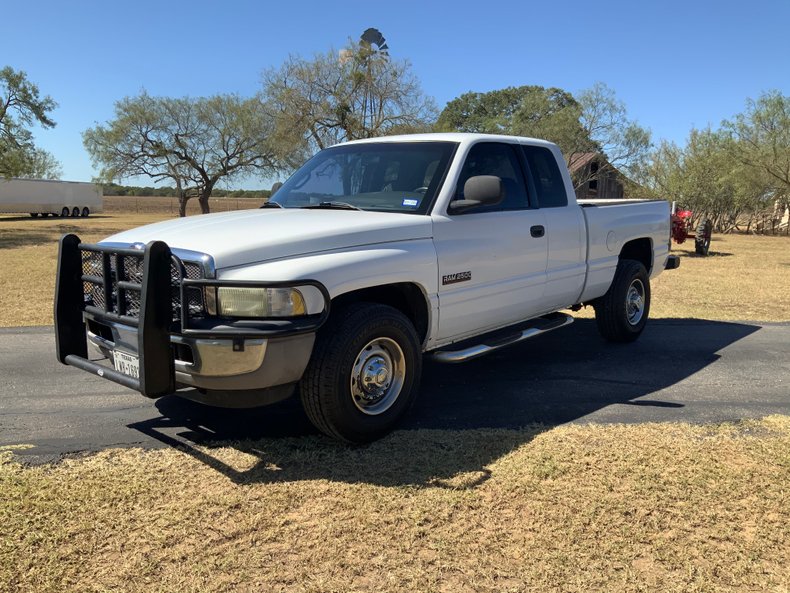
702	237
621	314
363	374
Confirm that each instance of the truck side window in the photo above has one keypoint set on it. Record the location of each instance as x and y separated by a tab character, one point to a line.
546	176
494	158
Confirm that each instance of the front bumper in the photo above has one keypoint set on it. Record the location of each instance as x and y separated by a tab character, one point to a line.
220	364
209	353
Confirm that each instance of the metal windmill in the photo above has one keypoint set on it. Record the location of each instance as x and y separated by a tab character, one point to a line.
372	40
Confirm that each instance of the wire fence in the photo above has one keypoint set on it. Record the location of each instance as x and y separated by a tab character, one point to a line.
166	205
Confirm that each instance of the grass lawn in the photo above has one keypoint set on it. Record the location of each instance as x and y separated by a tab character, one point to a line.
651	507
654	507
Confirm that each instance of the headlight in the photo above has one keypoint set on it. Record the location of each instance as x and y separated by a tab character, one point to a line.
235	301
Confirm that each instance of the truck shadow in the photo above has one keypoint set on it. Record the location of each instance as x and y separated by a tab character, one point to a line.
694	255
467	416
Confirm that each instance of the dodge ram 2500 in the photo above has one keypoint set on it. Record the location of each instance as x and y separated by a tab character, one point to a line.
372	255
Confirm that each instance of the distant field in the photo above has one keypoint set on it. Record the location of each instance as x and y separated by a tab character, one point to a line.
745	277
159	205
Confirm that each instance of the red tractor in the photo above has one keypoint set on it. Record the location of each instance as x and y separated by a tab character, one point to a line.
682	230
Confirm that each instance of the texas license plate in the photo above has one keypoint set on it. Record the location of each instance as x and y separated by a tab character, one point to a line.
128	364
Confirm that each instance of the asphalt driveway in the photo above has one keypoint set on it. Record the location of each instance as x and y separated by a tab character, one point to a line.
679	370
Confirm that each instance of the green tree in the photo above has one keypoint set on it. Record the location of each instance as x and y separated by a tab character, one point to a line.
705	177
548	113
340	96
593	121
193	143
762	142
21	107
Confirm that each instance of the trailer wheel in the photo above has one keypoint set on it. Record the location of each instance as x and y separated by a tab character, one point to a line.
34	214
64	212
75	212
86	212
621	314
363	374
702	237
45	214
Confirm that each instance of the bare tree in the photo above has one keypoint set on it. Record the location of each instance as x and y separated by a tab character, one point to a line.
339	96
193	143
624	144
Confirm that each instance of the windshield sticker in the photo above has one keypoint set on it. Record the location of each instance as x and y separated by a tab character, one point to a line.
412	203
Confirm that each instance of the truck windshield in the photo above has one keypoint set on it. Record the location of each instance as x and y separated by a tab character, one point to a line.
381	176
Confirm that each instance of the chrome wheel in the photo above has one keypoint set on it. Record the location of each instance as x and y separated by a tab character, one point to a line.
635	302
377	376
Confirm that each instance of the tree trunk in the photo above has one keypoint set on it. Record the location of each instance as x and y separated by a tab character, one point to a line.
182	198
204	196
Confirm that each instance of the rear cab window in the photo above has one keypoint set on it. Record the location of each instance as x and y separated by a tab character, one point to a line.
546	175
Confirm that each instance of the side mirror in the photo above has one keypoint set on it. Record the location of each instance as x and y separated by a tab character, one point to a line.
480	190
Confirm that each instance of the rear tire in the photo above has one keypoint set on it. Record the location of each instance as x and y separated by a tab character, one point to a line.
621	314
86	212
702	238
363	374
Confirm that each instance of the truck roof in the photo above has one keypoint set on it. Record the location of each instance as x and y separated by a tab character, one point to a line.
460	137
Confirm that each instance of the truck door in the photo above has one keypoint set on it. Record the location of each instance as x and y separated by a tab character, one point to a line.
565	230
492	260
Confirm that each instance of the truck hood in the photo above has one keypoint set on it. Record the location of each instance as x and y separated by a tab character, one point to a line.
247	236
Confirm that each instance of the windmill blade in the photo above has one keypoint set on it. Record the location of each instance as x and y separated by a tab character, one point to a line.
373	37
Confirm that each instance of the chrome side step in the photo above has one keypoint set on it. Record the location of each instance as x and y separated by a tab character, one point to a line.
500	339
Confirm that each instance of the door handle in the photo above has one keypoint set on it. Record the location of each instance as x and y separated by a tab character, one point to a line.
537	231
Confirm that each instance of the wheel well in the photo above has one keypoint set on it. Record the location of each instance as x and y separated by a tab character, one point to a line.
640	250
404	296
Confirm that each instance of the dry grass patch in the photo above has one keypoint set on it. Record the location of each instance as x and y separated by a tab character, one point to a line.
577	508
745	277
28	258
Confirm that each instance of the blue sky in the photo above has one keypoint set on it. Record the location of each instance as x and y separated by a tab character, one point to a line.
676	64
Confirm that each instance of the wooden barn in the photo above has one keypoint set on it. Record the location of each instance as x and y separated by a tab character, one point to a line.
594	177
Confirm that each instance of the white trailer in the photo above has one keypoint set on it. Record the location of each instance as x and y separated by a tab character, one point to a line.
44	197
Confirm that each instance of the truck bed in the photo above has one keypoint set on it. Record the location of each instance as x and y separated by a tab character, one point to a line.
613	223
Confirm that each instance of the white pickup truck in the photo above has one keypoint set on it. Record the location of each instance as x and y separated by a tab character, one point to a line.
372	255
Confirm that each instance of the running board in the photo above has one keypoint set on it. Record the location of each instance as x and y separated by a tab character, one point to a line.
502	338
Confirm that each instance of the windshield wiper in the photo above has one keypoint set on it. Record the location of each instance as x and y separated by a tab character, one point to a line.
332	205
270	205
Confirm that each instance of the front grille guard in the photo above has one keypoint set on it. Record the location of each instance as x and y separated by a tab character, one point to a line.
157	368
157	318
